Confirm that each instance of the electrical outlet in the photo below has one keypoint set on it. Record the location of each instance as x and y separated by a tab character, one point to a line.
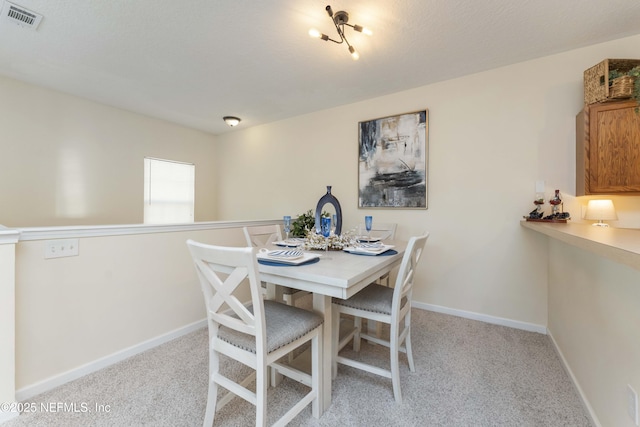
60	248
632	404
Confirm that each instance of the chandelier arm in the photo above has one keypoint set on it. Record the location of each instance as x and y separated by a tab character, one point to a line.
344	38
340	31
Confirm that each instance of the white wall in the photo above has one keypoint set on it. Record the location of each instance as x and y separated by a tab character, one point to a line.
69	161
594	317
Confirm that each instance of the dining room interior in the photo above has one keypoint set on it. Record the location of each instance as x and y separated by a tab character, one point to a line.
558	313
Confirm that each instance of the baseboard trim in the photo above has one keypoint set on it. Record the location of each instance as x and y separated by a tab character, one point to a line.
6	416
516	324
585	402
73	374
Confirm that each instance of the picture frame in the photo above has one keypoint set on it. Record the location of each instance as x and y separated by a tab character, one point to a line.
393	161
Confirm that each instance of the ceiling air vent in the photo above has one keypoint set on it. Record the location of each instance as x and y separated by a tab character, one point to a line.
20	16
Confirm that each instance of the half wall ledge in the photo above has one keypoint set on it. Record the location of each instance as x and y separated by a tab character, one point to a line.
621	245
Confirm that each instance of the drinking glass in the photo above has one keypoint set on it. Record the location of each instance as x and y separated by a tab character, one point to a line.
287	225
368	222
326	232
326	226
334	221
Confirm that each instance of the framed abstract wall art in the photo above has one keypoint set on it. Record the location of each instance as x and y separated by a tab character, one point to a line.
392	165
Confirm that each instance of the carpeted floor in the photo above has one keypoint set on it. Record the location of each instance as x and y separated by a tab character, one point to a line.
468	373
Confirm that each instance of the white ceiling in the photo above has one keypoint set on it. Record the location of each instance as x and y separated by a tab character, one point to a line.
194	61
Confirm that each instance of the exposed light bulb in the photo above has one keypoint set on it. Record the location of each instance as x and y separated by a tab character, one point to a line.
354	53
363	30
318	35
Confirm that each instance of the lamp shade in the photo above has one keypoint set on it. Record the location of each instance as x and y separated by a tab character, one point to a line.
600	210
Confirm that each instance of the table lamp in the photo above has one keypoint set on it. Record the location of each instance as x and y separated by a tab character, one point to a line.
600	210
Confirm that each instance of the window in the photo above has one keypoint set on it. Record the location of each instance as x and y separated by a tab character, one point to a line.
169	191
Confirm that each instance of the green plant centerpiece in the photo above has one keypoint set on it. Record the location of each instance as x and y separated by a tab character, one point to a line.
304	226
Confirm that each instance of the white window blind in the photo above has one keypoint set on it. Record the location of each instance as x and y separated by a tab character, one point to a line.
169	191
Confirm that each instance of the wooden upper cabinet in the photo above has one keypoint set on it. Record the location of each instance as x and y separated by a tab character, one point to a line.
608	149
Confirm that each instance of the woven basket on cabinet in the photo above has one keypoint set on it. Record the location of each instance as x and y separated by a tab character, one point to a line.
596	81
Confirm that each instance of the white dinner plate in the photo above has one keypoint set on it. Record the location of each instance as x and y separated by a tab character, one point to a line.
284	254
290	243
365	239
306	256
368	251
370	245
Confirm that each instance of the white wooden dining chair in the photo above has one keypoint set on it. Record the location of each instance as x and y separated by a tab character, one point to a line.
382	304
256	333
383	231
263	235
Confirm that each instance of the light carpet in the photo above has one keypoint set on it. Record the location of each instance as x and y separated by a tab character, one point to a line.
468	373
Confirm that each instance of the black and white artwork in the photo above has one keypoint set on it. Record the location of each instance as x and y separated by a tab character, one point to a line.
392	171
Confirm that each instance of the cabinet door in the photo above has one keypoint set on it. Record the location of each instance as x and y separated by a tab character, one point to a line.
614	148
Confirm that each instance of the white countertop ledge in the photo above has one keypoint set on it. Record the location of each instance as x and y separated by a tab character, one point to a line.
621	245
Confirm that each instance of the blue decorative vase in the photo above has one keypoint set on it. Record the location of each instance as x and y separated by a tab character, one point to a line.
328	198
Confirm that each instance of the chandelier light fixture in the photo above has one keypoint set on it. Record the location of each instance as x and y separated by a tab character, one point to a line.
340	19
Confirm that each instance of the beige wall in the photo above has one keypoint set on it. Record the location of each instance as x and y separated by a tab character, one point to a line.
594	317
7	319
68	161
492	135
118	293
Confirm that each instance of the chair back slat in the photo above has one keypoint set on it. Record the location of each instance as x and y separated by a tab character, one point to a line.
222	270
382	230
262	235
406	273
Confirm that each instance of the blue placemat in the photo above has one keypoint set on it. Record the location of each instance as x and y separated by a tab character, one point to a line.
385	253
280	264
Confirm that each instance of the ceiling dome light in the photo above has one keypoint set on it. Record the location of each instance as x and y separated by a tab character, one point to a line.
231	121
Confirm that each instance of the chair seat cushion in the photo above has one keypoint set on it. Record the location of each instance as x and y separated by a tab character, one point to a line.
284	324
375	298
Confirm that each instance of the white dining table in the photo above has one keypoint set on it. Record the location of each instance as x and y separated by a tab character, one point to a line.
337	274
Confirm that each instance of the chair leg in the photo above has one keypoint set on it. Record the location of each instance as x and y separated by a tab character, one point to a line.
212	397
374	329
407	342
289	300
212	394
261	396
316	352
335	341
395	368
357	322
